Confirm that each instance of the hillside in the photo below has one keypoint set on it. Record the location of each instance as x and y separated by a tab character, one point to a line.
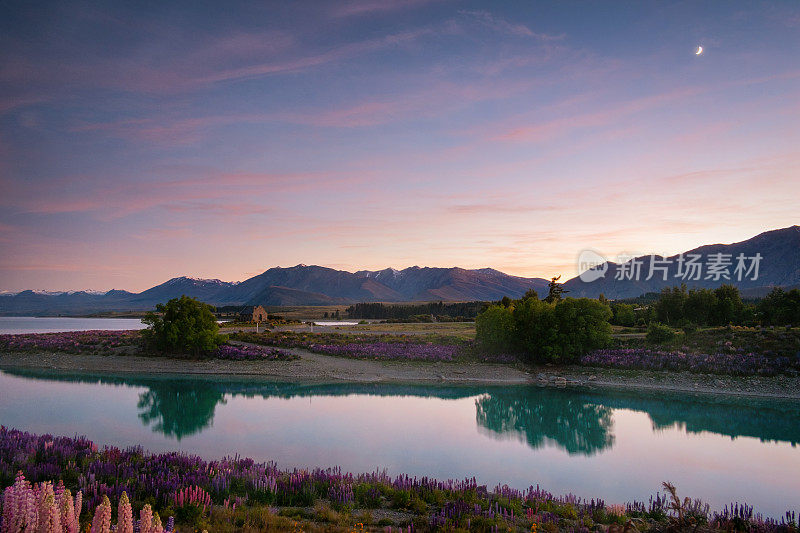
779	265
298	285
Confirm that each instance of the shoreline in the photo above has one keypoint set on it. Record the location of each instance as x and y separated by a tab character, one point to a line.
312	368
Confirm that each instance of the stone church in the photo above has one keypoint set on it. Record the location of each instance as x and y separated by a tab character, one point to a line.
259	314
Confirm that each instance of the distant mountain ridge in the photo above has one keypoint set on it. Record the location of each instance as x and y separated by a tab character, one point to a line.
316	285
778	266
297	285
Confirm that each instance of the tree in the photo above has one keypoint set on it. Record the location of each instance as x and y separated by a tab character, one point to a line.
582	326
623	315
780	307
494	328
183	325
530	293
669	308
699	306
729	305
536	329
555	290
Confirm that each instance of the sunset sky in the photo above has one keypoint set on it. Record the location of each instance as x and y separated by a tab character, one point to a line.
145	140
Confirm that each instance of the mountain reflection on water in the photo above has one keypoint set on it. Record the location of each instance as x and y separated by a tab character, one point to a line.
577	421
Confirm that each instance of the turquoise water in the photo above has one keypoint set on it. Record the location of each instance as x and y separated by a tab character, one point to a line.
612	445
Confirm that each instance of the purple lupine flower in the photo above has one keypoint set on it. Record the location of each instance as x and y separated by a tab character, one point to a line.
720	363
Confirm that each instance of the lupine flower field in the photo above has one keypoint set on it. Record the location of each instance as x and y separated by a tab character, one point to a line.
76	342
390	350
122	342
252	353
407	351
736	364
383	347
40	474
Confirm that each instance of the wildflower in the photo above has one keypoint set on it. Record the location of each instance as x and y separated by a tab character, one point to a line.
102	517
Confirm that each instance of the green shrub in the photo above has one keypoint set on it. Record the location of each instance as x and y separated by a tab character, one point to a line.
547	332
582	326
494	328
536	329
658	333
183	325
624	315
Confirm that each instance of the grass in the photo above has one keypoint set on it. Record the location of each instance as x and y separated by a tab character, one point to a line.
782	342
461	330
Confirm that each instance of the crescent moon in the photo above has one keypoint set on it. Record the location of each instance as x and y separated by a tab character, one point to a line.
699	51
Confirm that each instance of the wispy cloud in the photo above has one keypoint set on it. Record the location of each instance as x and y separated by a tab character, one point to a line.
436	98
223	58
503	26
500	209
183	195
564	125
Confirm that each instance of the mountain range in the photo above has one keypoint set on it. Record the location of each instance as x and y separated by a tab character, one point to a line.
298	285
779	265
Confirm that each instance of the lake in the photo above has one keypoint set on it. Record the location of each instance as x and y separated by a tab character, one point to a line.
615	445
29	324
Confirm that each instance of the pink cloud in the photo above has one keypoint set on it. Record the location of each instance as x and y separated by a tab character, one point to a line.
183	195
336	54
562	126
436	99
220	209
164	234
499	208
9	103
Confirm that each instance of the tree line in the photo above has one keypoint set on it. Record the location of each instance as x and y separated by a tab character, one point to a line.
461	310
559	329
679	307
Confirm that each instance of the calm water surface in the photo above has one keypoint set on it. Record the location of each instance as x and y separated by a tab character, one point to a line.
29	324
612	445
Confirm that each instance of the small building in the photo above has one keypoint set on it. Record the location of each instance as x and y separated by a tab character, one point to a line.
259	314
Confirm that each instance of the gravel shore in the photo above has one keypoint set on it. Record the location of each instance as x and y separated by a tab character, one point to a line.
316	368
